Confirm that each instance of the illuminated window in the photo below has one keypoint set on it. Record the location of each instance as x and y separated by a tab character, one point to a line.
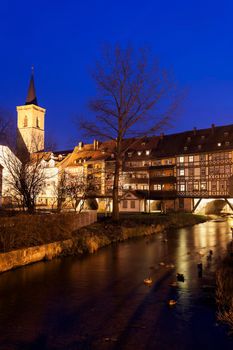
219	144
181	172
190	159
196	186
147	152
181	159
203	186
157	187
130	154
139	153
182	187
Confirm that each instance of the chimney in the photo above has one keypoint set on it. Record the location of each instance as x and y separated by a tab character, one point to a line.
194	131
96	144
80	145
212	127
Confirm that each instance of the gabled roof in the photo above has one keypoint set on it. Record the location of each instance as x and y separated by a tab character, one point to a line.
216	138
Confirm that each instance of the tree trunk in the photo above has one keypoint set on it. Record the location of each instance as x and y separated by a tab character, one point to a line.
115	192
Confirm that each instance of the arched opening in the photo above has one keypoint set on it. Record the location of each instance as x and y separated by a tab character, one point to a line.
25	121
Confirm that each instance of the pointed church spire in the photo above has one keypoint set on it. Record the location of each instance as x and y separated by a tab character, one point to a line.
31	96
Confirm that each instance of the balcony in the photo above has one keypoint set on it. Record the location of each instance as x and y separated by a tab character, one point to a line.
136	180
162	179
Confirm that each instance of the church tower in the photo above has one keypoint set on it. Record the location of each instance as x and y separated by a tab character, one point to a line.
30	123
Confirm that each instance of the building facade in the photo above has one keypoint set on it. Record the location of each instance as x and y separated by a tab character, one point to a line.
165	172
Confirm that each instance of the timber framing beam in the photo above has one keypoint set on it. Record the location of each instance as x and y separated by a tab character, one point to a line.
230	205
196	205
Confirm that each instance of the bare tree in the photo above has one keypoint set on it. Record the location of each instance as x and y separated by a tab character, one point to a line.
135	99
6	129
60	191
24	178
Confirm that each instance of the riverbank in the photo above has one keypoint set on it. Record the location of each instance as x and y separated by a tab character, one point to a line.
91	238
224	289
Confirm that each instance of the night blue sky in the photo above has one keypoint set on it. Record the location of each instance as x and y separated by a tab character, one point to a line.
63	38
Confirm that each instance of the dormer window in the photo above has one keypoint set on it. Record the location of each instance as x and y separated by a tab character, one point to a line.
199	146
188	138
227	143
143	143
139	153
203	137
226	133
185	148
147	152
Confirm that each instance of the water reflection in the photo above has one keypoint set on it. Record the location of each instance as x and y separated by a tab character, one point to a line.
79	303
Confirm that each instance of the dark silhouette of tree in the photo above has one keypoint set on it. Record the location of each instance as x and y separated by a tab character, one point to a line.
7	129
135	98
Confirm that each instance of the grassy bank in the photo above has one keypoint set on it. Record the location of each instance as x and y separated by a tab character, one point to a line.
102	233
25	231
224	290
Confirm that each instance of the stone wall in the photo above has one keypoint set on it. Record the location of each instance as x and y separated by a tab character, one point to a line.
25	256
30	255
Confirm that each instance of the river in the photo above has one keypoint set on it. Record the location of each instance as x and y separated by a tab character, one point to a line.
100	301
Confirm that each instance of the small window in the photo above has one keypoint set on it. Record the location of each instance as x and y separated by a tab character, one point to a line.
182	187
203	186
219	144
125	204
139	153
226	133
227	143
157	187
181	159
130	154
199	146
181	172
185	148
190	159
188	138
148	152
203	137
132	204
